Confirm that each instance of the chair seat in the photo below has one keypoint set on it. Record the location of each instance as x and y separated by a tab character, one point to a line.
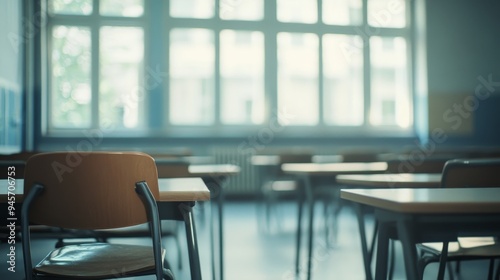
167	228
468	242
474	247
97	261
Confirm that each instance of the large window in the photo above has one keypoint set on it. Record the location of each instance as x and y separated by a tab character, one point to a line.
224	66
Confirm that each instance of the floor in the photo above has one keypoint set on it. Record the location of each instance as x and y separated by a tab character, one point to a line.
254	250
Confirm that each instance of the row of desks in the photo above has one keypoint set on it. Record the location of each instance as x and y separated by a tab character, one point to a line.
342	174
412	205
426	215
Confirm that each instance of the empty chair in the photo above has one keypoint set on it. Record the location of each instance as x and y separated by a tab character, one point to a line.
278	185
93	191
459	173
429	165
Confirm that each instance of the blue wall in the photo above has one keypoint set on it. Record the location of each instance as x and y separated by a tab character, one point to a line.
463	49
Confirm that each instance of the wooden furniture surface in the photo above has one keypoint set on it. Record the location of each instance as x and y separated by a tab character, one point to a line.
310	171
178	168
384	180
459	173
334	168
394	180
92	191
213	175
427	214
67	179
428	200
183	189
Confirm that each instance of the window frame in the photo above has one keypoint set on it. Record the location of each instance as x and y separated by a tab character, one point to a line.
156	19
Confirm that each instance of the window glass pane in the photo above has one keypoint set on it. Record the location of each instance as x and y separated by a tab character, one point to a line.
241	10
302	11
242	77
192	58
343	79
298	78
390	99
342	12
70	7
192	8
121	60
124	8
70	77
387	13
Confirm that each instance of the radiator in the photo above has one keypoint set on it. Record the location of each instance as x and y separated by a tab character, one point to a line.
247	182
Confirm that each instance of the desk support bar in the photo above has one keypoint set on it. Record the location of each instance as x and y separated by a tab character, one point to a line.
299	231
367	255
406	234
152	209
194	258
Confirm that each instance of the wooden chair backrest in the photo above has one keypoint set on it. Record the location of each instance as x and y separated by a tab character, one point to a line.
295	158
92	190
173	170
461	173
416	166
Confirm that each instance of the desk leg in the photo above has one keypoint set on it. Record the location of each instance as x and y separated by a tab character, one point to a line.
442	261
194	258
299	234
220	202
310	200
406	235
382	252
364	245
212	238
216	190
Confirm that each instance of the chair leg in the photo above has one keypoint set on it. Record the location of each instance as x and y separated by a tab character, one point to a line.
457	267
497	274
450	271
491	269
442	261
392	261
179	252
167	274
423	261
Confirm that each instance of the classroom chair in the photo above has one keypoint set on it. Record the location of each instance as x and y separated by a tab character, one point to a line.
95	191
459	173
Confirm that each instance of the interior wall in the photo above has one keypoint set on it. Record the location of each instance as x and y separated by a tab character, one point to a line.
463	61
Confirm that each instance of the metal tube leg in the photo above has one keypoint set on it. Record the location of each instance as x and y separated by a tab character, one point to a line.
299	235
194	258
220	200
364	245
382	252
310	200
212	245
311	236
405	234
442	260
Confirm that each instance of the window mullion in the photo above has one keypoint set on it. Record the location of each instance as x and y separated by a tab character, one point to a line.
217	76
366	68
154	46
270	60
95	75
321	119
